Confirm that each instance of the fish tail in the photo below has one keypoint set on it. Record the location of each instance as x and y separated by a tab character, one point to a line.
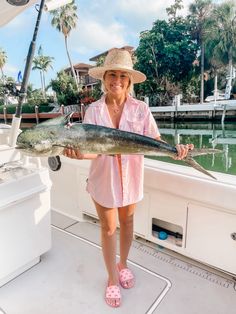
204	151
190	161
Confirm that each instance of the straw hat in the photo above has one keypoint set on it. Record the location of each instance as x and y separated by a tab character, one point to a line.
117	59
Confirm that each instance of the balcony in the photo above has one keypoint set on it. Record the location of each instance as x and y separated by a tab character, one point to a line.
87	80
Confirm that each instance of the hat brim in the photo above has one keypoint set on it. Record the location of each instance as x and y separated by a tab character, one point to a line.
98	73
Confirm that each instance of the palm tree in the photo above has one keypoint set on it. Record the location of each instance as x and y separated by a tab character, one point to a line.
223	38
42	63
200	11
3	60
65	19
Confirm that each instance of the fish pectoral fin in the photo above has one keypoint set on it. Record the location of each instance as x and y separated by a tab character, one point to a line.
190	161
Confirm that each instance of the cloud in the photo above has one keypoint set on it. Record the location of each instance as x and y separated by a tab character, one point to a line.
141	14
95	37
104	24
22	22
10	69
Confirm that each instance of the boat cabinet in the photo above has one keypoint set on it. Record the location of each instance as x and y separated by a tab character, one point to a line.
197	214
25	229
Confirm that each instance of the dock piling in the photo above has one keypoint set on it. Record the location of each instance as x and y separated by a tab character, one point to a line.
5	114
62	110
223	114
36	108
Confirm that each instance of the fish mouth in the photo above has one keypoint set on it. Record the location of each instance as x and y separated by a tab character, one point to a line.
20	147
23	146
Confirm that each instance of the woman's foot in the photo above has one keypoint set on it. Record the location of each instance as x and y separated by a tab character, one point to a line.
113	295
126	277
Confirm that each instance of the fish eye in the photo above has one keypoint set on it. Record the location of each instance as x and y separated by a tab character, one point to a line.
52	133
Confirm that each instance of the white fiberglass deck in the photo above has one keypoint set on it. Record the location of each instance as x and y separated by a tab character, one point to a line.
71	279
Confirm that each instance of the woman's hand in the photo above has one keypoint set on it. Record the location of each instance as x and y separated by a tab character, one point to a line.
73	153
183	150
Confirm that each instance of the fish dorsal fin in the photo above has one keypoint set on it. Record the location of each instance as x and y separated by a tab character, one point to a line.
61	120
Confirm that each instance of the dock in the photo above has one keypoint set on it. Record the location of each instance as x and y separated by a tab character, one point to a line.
40	116
220	110
35	117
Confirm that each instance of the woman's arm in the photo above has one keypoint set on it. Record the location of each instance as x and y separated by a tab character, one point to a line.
182	149
76	154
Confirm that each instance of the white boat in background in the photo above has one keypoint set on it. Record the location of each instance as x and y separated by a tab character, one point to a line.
54	265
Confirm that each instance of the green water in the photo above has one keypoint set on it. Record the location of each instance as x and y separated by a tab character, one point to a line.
204	135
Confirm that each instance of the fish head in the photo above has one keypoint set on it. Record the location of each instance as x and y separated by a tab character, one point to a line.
38	142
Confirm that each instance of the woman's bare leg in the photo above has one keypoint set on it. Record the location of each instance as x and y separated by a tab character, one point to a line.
107	217
126	215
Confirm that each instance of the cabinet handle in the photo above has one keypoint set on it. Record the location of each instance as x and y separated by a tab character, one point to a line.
233	236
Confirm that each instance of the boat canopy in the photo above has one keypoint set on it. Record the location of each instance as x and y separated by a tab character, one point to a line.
9	11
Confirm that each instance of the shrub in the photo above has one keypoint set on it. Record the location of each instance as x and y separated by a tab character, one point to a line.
26	108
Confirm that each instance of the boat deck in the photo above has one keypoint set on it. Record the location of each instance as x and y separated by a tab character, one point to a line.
71	279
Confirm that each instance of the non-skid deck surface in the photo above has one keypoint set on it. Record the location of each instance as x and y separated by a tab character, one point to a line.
71	279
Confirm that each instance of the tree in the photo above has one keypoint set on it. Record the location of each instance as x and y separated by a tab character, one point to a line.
7	88
165	54
64	20
172	10
65	88
3	60
200	11
222	40
42	63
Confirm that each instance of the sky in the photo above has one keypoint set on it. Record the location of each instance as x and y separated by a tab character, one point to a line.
102	24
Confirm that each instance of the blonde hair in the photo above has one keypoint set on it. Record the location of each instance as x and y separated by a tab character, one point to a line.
130	89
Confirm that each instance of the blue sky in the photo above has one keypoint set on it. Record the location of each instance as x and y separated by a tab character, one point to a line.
102	24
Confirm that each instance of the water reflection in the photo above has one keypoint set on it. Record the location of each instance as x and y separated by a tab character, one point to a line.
205	135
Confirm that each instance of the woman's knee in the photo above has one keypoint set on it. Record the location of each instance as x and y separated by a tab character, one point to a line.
108	228
107	218
126	215
126	221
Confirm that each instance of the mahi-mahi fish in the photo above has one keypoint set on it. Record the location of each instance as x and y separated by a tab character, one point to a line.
51	137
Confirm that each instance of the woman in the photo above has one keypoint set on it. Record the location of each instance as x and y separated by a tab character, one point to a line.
116	182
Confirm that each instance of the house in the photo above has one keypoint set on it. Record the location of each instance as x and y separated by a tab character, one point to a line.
81	71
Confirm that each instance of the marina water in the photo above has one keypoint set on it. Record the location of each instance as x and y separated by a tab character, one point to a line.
204	135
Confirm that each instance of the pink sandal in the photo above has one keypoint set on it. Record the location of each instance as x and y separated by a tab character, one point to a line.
126	278
113	296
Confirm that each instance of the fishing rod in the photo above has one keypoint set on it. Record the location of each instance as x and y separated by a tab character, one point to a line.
47	6
23	90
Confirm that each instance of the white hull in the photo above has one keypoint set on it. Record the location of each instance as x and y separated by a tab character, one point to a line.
177	198
25	225
177	271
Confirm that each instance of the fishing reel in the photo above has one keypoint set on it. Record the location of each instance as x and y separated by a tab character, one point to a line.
54	163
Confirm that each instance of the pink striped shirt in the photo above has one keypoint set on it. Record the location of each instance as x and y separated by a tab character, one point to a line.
105	184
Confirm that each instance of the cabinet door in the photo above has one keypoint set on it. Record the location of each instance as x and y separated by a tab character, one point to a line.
168	211
209	237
